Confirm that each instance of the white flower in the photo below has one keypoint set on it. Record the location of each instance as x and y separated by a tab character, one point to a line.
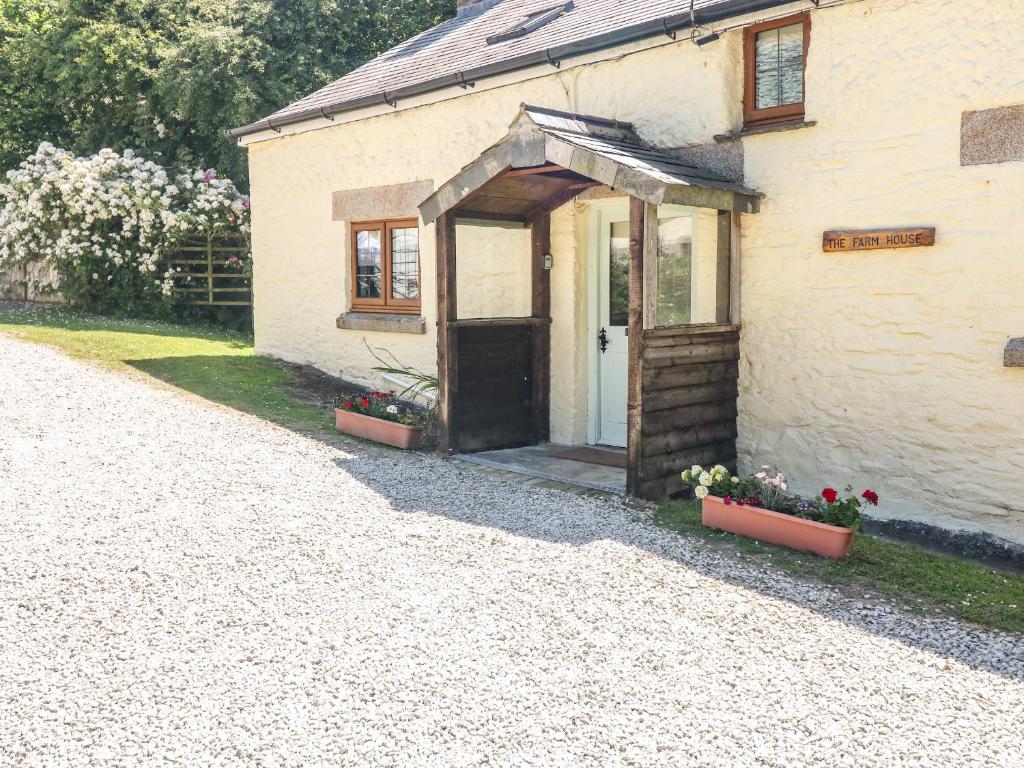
719	469
735	481
695	470
705	479
686	475
701	492
761	476
392	409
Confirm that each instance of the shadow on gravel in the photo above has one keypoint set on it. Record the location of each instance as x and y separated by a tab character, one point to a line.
410	482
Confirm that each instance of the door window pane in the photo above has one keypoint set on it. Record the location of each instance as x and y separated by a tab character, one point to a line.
779	67
405	263
369	264
618	278
675	271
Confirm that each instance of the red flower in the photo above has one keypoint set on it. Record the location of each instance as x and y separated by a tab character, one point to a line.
727	500
348	405
830	495
365	402
871	497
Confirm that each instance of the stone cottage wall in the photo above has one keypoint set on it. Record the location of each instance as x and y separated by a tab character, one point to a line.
880	368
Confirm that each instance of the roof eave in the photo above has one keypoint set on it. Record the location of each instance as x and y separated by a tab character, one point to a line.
663	26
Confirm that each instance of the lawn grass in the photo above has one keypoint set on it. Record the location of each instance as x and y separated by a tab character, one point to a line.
213	364
917	577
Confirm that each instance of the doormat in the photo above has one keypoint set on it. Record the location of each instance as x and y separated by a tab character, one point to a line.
591	455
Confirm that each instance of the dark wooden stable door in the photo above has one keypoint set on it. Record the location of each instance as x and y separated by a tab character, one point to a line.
493	407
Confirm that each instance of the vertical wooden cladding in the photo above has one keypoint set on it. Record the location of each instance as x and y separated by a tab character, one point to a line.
495	406
690	380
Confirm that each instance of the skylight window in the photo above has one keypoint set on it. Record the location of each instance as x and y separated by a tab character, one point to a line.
530	23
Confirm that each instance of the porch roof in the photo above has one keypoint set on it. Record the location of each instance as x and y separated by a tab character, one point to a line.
549	156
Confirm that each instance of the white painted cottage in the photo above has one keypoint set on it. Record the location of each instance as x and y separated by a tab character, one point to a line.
750	231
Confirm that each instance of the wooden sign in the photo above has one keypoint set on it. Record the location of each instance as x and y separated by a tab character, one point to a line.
874	239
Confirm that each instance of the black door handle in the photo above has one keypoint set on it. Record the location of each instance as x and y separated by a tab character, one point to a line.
602	339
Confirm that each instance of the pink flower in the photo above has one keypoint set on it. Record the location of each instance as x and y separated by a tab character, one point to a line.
727	500
209	176
247	203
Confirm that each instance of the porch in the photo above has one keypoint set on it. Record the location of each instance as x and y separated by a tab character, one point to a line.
679	358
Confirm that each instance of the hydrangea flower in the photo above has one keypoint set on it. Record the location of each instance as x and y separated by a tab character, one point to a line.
76	217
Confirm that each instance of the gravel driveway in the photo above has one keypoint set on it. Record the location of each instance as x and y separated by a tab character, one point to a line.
183	584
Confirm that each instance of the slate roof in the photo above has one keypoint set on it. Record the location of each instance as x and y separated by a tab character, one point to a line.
605	151
456	52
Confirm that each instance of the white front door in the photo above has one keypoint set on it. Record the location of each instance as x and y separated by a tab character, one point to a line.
611	344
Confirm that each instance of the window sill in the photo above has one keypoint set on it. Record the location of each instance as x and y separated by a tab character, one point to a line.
692	329
383	322
754	130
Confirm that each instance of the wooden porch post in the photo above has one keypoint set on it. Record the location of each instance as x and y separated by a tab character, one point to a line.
540	230
447	342
634	414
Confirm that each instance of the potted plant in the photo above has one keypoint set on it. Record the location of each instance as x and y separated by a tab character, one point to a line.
379	416
760	507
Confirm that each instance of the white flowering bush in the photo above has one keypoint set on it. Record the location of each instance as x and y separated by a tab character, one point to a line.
104	224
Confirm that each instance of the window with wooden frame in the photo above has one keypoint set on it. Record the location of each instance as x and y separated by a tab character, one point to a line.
386	266
775	59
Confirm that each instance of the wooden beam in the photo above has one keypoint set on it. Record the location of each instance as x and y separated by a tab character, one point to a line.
557	201
447	342
650	266
634	413
512	218
723	278
541	310
735	269
485	322
534	170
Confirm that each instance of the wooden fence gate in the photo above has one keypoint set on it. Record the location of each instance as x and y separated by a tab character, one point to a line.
206	273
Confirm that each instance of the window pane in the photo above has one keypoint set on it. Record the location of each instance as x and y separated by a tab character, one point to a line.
405	263
693	266
368	264
779	67
618	278
675	270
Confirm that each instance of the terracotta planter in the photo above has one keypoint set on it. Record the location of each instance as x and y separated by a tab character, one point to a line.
378	430
776	528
